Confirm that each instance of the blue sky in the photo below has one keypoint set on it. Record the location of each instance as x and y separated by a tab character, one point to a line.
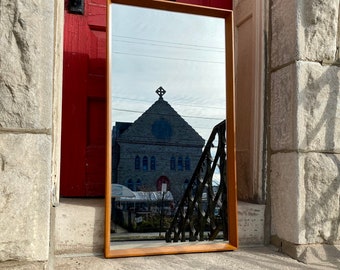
182	53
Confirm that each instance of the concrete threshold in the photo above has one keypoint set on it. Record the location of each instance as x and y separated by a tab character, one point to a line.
259	257
79	225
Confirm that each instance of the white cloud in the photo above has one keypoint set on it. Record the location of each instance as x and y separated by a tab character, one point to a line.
183	53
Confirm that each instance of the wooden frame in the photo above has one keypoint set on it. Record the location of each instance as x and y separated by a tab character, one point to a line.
231	151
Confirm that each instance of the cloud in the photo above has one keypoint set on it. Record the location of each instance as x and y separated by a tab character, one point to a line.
182	53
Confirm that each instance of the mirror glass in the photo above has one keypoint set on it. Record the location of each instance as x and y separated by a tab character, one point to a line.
168	94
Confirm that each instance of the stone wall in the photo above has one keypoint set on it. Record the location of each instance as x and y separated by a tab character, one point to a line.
27	81
304	123
126	168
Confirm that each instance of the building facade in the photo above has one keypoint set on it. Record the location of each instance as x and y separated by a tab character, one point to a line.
292	166
160	147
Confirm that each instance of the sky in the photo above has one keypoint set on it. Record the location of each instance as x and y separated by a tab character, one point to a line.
185	54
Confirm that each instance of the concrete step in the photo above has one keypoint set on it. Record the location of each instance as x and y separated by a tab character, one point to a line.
79	225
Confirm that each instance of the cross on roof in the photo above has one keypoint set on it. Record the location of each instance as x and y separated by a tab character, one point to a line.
160	91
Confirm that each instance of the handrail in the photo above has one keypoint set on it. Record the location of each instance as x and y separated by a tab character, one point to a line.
202	213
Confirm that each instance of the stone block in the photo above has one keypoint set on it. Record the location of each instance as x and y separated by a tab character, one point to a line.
321	179
283	109
284	33
286	203
26	64
79	226
305	111
305	196
317	29
300	28
319	254
318	107
25	171
322	256
251	223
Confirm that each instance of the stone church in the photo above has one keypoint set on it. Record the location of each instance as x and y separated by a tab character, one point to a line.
160	147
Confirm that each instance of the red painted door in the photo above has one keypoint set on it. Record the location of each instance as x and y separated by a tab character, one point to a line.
84	97
163	180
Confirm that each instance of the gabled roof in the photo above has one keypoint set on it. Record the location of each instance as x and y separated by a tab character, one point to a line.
161	124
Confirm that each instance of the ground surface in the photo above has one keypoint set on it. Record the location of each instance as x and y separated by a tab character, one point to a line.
244	258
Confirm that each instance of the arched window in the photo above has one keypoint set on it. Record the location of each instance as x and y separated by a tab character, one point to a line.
153	163
187	164
137	163
138	185
180	164
130	184
172	163
145	163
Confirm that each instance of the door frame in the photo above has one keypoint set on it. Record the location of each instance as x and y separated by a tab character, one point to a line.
251	185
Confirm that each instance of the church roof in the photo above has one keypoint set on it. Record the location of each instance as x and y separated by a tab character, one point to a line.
161	124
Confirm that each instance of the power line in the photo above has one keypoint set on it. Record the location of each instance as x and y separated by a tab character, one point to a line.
186	116
175	104
168	46
168	42
168	58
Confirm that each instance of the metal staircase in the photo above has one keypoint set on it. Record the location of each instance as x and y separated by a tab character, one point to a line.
202	213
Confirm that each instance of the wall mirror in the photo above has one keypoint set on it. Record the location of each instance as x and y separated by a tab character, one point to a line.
171	153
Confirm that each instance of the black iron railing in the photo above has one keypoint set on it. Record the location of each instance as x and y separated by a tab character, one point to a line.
202	213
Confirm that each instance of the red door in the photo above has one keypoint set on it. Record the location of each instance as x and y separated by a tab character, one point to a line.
84	97
163	180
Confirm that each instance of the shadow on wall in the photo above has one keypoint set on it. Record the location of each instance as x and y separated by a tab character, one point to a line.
319	102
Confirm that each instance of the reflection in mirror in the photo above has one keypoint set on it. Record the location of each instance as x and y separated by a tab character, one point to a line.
168	96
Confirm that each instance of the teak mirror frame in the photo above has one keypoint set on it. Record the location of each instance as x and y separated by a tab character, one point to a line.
203	246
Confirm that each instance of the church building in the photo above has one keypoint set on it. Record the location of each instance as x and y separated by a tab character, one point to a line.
159	148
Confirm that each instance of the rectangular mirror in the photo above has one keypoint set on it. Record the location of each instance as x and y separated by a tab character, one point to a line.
171	184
